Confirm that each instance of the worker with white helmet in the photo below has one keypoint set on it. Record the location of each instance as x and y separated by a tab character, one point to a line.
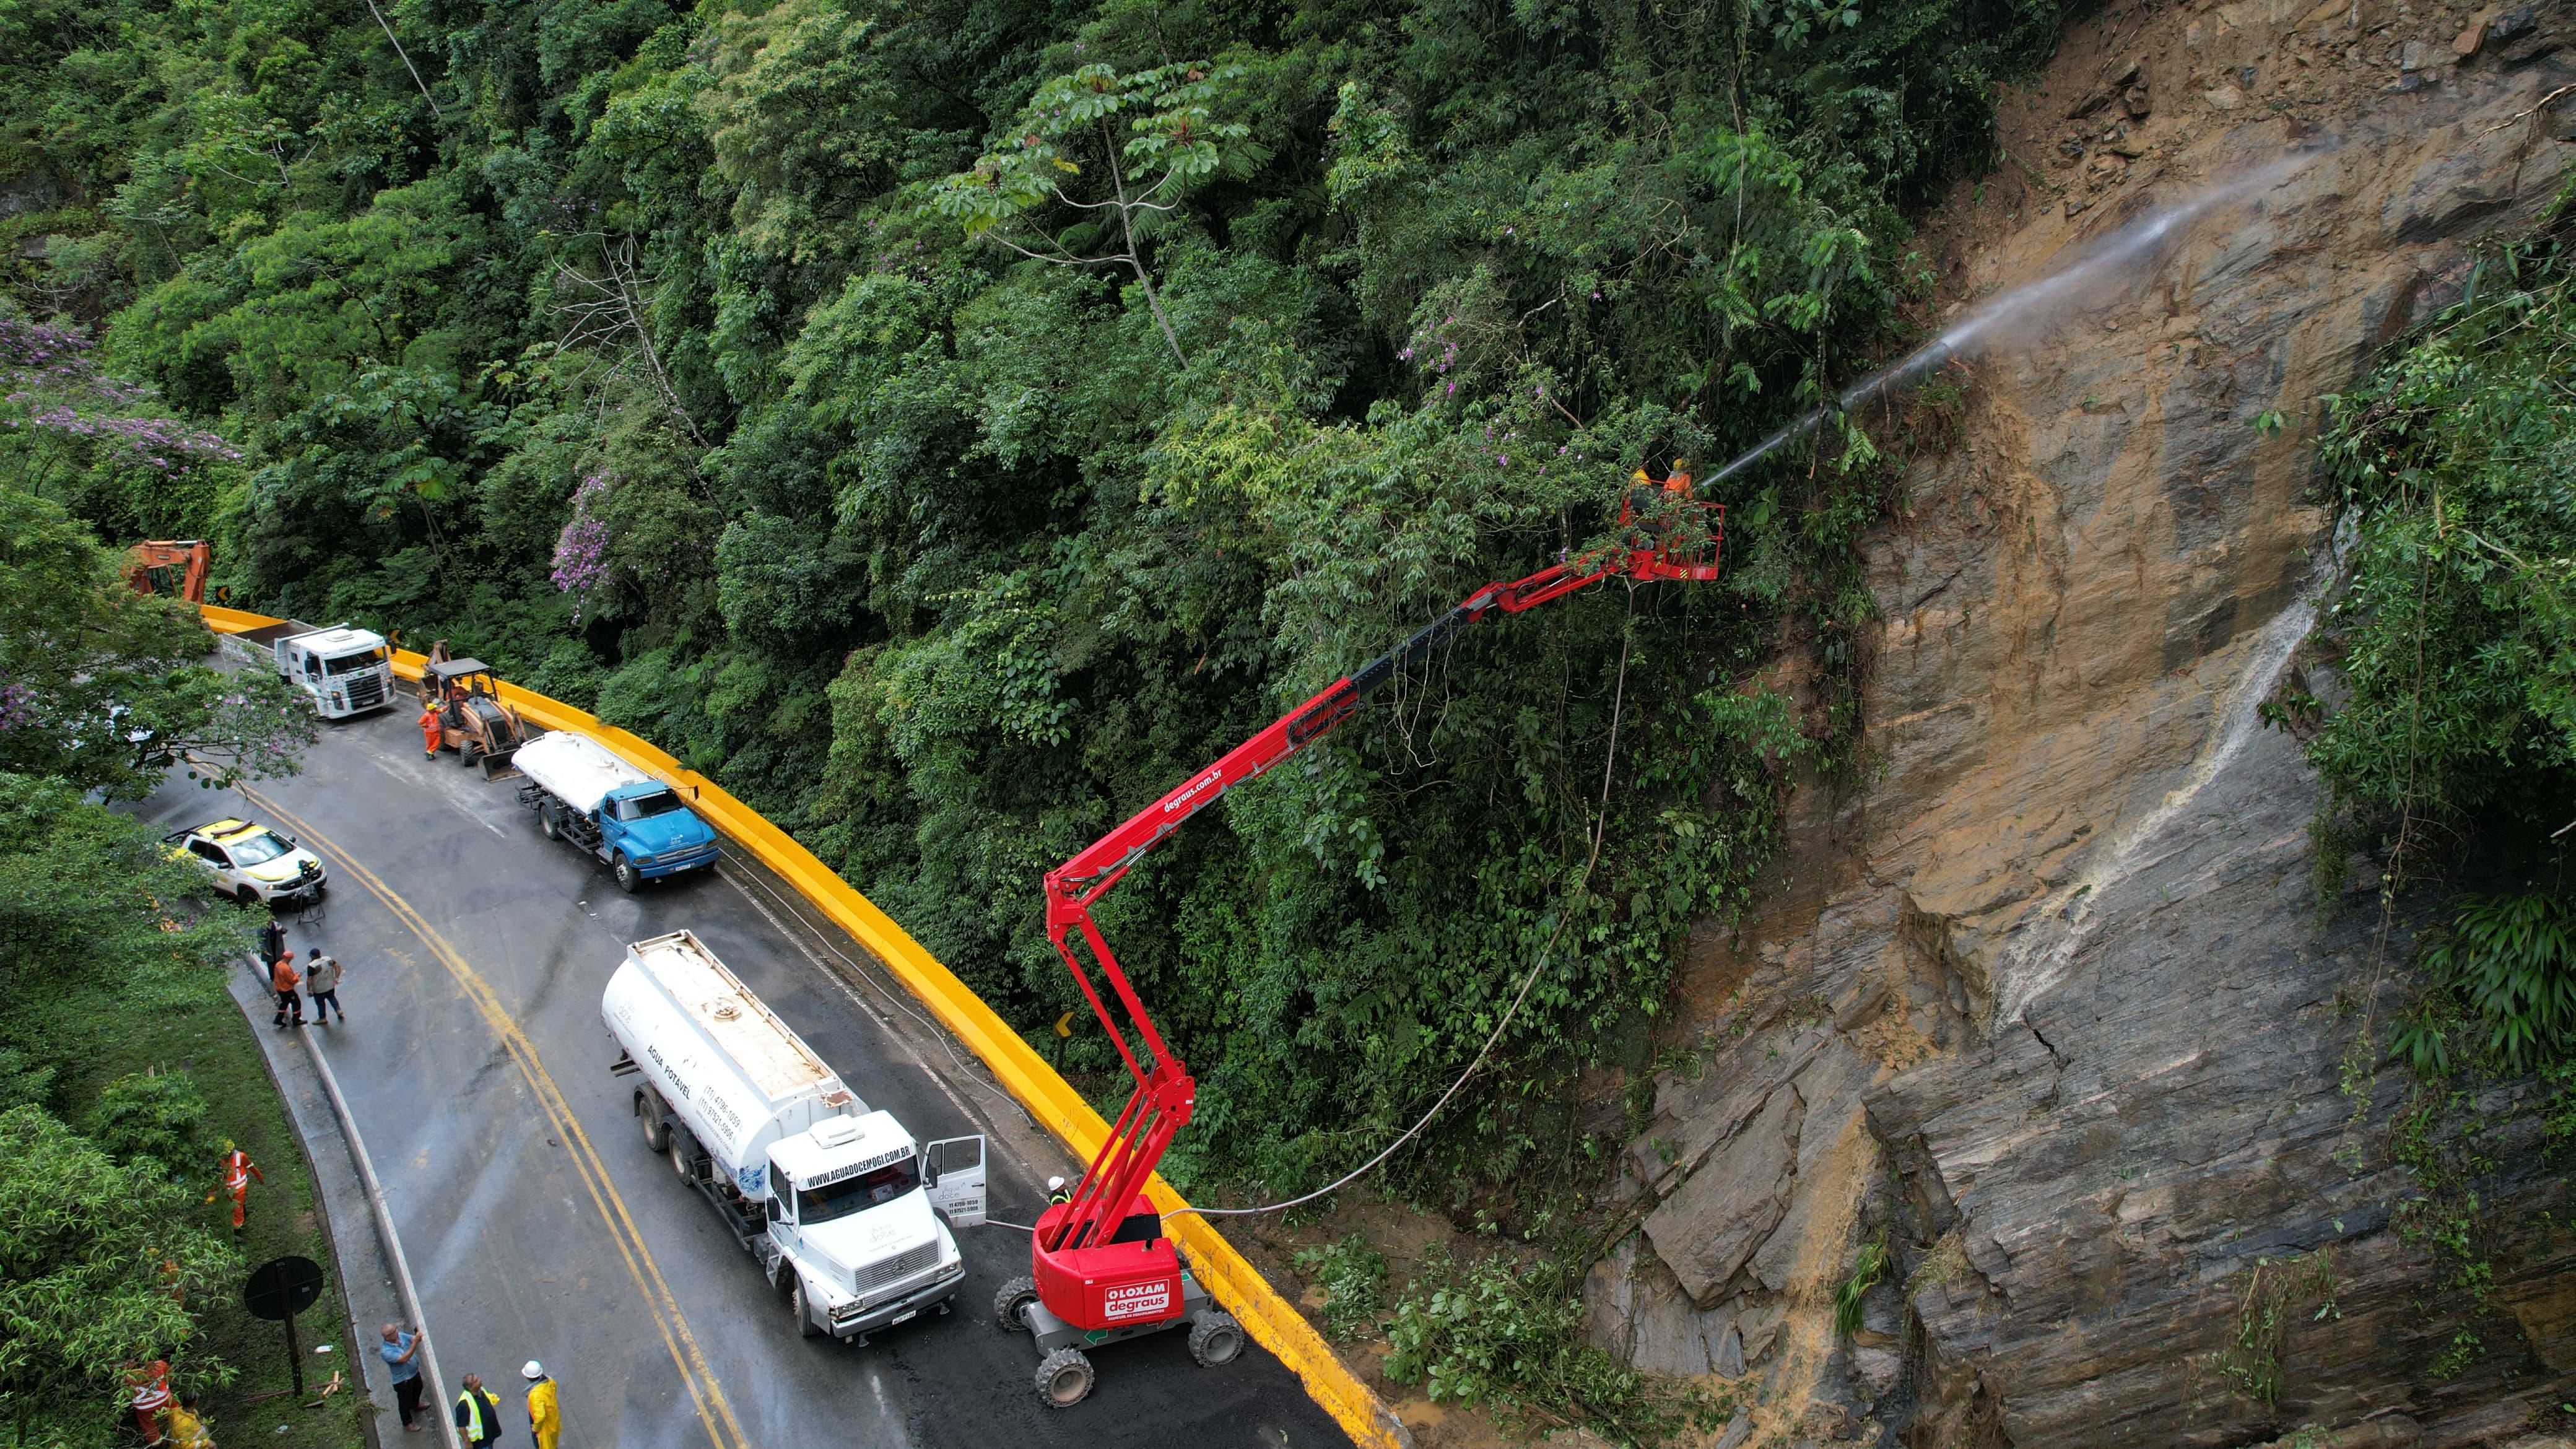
545	1421
1057	1192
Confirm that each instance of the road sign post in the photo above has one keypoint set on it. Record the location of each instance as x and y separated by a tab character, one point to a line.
280	1289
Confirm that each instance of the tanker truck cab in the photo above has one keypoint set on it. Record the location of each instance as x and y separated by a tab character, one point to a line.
650	825
851	1211
849	1215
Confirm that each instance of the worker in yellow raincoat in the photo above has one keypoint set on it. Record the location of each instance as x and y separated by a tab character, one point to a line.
544	1419
188	1426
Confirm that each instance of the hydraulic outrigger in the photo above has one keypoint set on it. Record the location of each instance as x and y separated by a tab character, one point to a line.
1101	1269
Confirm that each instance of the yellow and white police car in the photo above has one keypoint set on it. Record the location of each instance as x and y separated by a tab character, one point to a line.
252	863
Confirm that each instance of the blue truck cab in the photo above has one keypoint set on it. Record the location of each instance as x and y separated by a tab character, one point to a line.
588	796
649	825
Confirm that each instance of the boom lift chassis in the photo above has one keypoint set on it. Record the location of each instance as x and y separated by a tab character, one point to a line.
1101	1268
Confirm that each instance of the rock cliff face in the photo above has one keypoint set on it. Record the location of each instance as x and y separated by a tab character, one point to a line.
2049	1004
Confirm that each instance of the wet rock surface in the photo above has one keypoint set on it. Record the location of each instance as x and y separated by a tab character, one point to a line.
2051	1005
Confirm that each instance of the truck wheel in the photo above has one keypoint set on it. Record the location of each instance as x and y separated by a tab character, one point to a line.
657	1128
684	1157
1215	1339
1011	1305
1064	1378
629	879
805	1325
546	825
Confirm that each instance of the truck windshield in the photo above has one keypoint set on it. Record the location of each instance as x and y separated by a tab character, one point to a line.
357	663
640	807
857	1194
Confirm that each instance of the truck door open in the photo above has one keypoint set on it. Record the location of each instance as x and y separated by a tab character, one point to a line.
956	1179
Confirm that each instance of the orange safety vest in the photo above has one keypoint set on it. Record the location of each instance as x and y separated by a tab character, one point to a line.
237	1173
151	1386
284	976
428	724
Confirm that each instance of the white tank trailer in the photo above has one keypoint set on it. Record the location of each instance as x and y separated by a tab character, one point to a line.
850	1218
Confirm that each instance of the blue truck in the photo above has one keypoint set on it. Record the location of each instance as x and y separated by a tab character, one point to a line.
585	795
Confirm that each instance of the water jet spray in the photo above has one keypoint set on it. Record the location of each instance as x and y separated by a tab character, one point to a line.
2025	304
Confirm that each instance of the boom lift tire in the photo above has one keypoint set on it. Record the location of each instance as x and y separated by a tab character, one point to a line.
1215	1339
1011	1304
1064	1378
629	879
806	1327
657	1123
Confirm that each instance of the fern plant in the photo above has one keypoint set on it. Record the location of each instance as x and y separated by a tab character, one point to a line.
2505	972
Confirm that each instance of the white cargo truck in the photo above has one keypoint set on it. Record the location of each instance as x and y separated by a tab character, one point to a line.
850	1218
344	671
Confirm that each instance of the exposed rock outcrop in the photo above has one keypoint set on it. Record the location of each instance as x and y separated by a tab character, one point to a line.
2050	1004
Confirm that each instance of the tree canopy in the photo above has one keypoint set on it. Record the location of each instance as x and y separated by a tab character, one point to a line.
951	423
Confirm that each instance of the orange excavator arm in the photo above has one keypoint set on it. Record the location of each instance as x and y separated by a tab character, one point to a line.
191	556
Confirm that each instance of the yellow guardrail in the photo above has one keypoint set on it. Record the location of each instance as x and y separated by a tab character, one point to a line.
1272	1321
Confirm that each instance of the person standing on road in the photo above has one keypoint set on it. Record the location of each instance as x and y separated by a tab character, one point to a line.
428	723
478	1415
401	1353
322	983
284	978
545	1421
238	1171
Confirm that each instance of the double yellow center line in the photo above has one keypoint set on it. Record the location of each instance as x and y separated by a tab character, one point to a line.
707	1395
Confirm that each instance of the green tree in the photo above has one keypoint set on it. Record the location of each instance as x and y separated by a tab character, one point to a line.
1147	139
94	1257
105	688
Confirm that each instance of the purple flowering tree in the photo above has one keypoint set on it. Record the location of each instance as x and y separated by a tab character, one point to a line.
101	442
581	550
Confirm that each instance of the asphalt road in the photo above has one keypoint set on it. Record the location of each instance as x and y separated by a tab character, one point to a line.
537	1223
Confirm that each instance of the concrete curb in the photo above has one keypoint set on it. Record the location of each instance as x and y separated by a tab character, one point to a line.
361	1269
390	1240
1270	1318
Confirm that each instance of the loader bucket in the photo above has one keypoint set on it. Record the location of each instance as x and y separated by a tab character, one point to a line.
497	765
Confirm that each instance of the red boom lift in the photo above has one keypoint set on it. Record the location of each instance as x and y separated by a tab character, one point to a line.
1101	1268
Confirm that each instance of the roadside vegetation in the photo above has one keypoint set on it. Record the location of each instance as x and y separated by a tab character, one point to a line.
2450	752
124	1066
951	424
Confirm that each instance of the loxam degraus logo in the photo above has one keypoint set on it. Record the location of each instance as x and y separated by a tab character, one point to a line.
1136	1300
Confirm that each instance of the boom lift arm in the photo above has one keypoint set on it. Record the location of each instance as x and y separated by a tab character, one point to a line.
1671	538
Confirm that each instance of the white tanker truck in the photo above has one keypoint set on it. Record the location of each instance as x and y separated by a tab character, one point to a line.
849	1217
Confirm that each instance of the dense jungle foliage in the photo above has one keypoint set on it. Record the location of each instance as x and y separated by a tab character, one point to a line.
125	1067
951	423
2454	470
